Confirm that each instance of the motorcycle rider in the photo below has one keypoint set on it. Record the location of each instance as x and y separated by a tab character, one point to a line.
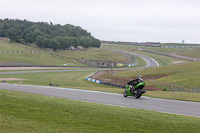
134	82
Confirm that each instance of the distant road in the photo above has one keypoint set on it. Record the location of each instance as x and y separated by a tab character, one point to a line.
147	103
150	61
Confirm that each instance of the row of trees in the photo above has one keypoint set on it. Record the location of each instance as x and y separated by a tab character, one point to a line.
46	35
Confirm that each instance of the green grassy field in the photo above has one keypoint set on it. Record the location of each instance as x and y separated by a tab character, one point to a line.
95	54
191	52
183	96
54	58
7	46
64	79
40	59
21	112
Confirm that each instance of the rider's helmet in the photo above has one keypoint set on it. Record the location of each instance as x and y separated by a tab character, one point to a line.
140	78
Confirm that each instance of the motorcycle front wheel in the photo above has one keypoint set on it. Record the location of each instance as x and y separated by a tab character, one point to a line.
125	93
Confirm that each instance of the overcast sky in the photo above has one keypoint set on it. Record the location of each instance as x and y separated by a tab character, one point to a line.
115	20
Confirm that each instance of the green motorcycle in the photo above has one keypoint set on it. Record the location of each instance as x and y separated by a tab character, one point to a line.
135	88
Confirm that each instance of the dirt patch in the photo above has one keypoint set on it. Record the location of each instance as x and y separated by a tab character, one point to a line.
11	79
152	88
117	81
178	62
173	53
98	74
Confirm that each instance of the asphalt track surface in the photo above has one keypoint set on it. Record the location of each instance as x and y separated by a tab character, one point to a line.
147	103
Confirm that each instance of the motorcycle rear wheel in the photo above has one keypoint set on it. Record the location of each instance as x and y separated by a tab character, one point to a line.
138	93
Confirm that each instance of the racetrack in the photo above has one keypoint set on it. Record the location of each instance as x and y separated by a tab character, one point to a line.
154	104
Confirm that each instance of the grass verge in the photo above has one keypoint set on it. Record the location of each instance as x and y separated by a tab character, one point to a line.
95	54
183	96
38	59
21	112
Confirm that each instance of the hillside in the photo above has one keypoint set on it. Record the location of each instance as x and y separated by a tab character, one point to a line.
46	35
17	53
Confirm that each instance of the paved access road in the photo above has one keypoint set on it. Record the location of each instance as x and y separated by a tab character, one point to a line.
154	104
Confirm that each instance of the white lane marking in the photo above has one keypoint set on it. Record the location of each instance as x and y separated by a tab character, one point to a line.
155	61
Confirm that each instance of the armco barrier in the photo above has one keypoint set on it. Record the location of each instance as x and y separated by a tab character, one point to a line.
93	80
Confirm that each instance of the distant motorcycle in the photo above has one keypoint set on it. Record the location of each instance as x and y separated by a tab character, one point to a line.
135	88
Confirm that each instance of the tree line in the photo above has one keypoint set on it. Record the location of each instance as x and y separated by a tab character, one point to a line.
46	35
